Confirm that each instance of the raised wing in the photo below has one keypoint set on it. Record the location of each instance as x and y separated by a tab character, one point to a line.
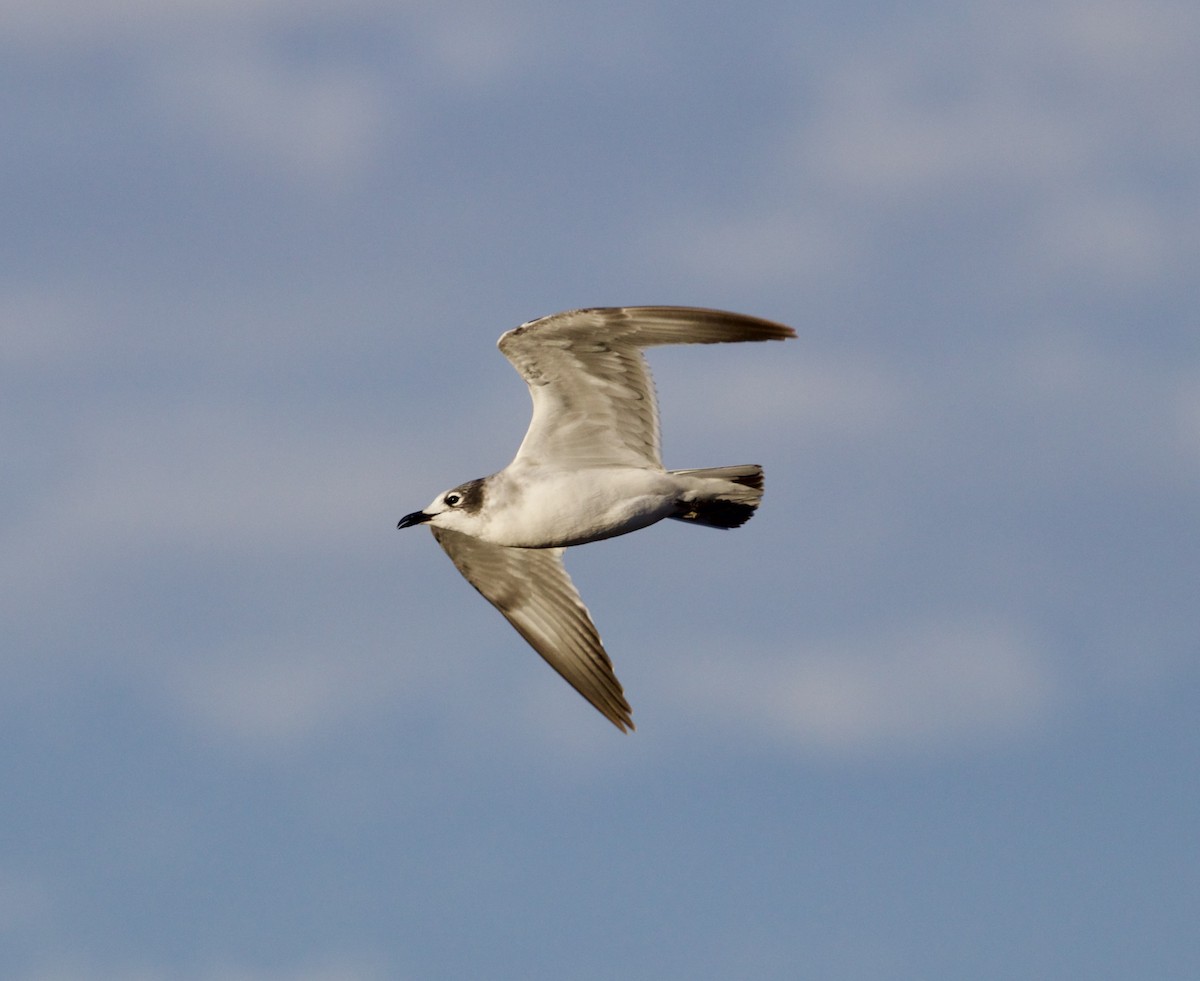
593	397
535	594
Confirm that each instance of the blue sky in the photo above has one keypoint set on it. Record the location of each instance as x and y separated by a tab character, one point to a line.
931	714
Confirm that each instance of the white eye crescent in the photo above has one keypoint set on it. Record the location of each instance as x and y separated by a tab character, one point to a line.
452	500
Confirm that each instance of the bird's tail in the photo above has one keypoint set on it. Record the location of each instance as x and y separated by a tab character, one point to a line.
720	497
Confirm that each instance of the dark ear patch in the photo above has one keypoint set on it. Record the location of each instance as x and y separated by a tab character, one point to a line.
472	495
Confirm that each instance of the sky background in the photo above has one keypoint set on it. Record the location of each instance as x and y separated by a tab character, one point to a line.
932	714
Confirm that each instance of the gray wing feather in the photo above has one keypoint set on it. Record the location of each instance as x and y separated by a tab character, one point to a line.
593	397
535	594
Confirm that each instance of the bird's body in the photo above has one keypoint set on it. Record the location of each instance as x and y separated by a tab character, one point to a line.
540	507
588	469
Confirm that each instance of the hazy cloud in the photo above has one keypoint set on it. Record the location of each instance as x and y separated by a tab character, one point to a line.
321	124
938	686
1052	114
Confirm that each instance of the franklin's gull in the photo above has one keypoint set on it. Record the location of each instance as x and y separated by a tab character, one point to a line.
589	468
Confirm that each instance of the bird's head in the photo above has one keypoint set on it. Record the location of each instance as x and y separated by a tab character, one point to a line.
453	509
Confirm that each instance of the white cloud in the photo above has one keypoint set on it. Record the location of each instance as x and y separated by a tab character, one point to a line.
319	123
880	133
259	508
202	482
215	66
1025	94
476	45
1113	235
928	687
42	326
466	43
1117	416
799	242
51	24
1060	116
822	395
254	698
317	114
1124	41
215	478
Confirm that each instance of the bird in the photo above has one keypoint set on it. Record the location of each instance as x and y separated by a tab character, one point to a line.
589	468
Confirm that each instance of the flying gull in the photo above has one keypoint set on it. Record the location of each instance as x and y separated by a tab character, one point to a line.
589	468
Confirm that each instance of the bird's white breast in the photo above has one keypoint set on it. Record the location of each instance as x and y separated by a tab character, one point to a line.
541	507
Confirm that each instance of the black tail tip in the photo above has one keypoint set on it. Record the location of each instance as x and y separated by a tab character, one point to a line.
717	514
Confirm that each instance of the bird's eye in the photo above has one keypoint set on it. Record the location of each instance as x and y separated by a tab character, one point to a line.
452	500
